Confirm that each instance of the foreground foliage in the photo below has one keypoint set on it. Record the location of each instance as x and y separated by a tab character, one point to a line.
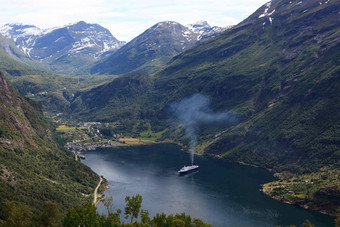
88	216
18	214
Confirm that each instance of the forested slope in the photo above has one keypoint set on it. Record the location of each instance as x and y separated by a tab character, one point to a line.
33	168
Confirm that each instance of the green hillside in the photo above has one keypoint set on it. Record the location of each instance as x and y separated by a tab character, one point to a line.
54	91
15	63
33	168
283	78
8	48
278	70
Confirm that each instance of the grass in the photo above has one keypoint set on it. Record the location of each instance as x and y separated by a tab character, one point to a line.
64	128
135	141
312	190
152	136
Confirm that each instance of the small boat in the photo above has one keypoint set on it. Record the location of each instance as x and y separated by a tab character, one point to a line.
188	169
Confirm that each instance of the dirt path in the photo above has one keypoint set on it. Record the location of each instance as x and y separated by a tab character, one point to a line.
95	191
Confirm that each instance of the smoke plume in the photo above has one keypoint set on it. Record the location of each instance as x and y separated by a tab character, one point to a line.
194	111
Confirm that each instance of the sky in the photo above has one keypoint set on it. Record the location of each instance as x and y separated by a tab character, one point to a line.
126	19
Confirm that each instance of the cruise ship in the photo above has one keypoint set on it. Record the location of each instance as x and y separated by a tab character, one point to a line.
188	169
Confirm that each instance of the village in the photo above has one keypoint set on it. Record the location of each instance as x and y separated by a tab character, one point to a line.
85	136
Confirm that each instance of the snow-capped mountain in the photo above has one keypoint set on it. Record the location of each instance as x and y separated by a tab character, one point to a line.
204	30
79	40
23	36
71	48
154	47
73	39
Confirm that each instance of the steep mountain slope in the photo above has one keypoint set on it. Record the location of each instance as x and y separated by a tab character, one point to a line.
33	169
122	99
15	63
54	91
8	47
279	70
154	47
65	49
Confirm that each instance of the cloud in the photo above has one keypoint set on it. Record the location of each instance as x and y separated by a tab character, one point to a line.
126	19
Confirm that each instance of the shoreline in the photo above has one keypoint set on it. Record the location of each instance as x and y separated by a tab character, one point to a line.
100	195
304	206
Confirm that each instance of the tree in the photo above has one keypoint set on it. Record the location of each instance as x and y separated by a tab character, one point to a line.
108	203
133	206
17	214
159	220
50	215
307	223
145	219
200	223
84	216
178	223
337	220
113	219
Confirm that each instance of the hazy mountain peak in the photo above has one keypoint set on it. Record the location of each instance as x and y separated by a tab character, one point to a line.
78	41
204	30
19	30
155	46
201	23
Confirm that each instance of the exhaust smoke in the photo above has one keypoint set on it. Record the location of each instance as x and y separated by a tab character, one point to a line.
194	111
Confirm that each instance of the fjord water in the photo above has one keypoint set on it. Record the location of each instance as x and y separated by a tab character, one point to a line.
220	193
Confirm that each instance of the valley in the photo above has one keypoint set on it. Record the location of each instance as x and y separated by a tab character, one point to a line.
263	93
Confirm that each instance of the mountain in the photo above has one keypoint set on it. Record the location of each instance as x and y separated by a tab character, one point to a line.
154	47
54	91
15	63
65	49
33	168
205	31
278	70
7	46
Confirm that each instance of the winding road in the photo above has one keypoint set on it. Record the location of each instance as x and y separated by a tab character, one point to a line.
95	191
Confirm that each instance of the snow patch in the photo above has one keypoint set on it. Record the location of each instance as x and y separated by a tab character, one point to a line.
57	40
265	13
300	2
27	51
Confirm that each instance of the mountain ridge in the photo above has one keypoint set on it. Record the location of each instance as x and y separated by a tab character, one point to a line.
66	49
155	47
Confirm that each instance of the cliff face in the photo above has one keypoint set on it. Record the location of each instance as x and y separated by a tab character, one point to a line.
33	169
16	128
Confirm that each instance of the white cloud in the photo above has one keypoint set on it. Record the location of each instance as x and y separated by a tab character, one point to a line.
125	19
